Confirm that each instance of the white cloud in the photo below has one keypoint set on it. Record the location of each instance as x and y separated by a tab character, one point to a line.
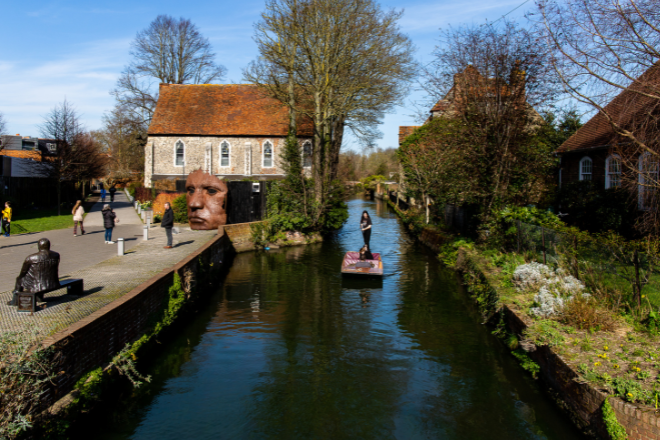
84	76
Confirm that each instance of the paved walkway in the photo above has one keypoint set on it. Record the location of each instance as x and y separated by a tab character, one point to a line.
75	252
106	277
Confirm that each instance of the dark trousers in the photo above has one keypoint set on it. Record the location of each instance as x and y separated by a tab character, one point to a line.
367	236
168	232
75	227
6	226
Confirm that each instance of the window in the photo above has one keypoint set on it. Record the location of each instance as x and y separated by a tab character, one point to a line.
51	147
586	166
613	172
179	154
268	155
224	154
649	172
307	154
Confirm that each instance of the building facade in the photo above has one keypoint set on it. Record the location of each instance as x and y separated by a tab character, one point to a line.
232	131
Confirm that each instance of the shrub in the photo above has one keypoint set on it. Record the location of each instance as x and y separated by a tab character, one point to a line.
584	313
180	208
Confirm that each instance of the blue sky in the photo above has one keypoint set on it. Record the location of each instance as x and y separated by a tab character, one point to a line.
54	50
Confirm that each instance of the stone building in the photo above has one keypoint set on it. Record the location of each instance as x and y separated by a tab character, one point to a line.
233	131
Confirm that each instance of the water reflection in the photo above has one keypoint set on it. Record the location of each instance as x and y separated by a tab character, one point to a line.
291	350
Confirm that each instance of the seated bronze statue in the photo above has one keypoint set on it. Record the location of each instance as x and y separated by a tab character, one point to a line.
39	272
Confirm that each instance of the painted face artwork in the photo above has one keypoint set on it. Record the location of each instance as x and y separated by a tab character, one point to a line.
206	196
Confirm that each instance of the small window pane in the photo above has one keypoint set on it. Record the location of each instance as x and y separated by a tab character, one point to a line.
613	172
179	154
224	155
585	169
268	155
307	155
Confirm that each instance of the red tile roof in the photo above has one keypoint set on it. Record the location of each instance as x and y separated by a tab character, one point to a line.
221	110
404	132
626	109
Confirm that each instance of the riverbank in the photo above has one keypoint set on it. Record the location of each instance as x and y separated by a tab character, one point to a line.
597	375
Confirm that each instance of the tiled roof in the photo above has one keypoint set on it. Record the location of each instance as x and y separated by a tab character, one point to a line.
221	110
404	132
625	109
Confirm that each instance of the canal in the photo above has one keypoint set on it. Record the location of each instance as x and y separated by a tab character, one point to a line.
287	349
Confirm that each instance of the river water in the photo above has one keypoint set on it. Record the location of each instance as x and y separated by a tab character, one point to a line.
287	349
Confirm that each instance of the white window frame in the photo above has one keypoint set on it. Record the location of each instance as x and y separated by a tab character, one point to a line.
310	154
263	154
608	182
52	148
228	154
184	153
591	174
640	188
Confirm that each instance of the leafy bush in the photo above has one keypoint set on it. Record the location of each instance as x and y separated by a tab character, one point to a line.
449	251
180	208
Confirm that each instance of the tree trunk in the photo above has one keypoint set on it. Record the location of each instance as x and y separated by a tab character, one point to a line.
426	207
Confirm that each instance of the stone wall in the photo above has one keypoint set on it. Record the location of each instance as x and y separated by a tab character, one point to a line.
203	152
94	340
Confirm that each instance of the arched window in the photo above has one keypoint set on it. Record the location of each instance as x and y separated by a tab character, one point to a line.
268	155
613	172
179	154
224	154
586	167
649	173
307	154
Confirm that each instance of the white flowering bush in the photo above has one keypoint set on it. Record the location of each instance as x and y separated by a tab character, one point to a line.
556	288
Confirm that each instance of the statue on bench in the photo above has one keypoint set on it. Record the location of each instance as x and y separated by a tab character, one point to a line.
39	272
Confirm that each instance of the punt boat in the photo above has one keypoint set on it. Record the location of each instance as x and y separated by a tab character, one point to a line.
353	266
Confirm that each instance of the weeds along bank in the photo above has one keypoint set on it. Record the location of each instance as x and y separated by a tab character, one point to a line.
578	311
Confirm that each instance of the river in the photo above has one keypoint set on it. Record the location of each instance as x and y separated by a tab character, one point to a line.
288	349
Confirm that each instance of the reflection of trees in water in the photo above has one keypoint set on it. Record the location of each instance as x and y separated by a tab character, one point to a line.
326	377
469	392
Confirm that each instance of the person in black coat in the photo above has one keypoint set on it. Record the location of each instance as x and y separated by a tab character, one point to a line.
113	190
109	220
167	223
365	226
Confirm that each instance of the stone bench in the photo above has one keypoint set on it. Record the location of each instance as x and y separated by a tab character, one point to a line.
27	301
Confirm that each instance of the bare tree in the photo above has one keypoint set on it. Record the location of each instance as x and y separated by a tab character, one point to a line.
77	157
608	52
3	124
339	63
168	51
491	77
123	138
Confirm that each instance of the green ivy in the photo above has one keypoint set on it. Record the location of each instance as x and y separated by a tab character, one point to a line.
614	428
526	362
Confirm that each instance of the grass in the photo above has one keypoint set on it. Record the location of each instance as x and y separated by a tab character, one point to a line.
38	220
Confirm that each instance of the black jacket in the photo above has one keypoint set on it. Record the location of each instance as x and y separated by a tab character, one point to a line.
108	218
168	219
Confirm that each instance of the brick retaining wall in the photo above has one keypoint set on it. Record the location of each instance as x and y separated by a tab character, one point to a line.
94	340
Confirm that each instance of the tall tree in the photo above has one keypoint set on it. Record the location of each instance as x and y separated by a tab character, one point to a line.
123	137
77	156
491	77
3	124
168	51
604	47
340	63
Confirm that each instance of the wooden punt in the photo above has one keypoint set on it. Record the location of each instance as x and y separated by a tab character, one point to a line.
353	266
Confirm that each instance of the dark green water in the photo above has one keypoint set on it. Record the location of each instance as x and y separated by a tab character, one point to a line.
287	349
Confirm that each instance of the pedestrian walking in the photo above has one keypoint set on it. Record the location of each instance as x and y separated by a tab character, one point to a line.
6	219
102	195
365	226
113	190
168	223
109	221
78	213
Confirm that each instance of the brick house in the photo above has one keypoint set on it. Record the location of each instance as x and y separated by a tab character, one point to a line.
233	131
589	153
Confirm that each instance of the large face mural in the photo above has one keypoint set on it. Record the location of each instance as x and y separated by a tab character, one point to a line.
206	196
